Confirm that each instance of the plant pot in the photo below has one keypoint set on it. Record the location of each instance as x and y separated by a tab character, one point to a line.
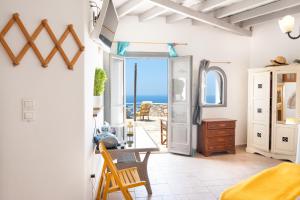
98	103
96	111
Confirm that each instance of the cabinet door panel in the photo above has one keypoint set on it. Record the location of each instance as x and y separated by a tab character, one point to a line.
261	85
259	110
261	136
285	140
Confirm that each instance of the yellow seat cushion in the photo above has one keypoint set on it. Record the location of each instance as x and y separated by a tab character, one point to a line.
277	183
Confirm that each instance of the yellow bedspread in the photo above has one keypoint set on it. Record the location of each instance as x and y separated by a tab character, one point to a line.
277	183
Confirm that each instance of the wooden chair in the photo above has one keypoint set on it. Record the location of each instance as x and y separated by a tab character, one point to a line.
144	110
164	132
113	180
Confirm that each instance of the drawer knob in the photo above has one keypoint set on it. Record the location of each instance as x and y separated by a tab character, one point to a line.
259	86
285	139
259	135
259	110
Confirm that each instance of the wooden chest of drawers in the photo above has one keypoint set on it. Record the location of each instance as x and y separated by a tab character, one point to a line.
216	135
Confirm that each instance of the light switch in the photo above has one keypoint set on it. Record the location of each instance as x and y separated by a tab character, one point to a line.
28	116
28	111
28	105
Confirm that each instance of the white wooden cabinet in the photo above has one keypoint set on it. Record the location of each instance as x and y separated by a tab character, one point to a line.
274	111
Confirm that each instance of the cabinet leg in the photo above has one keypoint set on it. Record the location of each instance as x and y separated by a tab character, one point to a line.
206	154
231	151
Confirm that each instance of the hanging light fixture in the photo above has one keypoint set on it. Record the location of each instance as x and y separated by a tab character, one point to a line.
287	25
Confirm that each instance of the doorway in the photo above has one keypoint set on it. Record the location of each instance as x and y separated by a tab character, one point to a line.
146	88
178	81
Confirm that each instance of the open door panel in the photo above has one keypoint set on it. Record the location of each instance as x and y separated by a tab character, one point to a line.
179	103
114	99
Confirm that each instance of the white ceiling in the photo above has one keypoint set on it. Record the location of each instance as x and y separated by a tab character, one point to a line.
232	15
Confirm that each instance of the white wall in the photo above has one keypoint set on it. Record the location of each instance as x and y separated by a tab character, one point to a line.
203	42
93	59
52	157
268	42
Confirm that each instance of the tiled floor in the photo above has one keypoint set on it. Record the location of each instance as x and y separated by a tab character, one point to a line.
152	127
175	177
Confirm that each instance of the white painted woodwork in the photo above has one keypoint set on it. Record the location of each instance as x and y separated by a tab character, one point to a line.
180	105
203	6
298	148
276	15
157	11
264	10
128	7
174	18
282	141
202	17
114	97
177	17
240	7
152	13
259	92
212	4
285	147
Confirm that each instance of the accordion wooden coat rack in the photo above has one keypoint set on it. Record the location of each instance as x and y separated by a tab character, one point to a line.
16	59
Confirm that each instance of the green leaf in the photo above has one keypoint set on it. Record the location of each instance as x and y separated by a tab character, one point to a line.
99	82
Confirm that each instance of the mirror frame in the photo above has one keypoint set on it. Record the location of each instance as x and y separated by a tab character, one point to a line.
224	98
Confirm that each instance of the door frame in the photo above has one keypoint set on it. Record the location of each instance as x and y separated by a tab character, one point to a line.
162	55
148	55
107	58
145	55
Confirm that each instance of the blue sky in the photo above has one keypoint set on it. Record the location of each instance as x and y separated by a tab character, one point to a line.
152	76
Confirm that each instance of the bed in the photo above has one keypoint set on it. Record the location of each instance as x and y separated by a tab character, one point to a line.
281	182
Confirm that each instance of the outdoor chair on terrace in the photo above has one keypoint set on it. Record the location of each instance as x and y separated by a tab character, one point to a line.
144	110
164	132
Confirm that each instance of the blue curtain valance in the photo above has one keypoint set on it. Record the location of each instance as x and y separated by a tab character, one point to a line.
171	49
121	48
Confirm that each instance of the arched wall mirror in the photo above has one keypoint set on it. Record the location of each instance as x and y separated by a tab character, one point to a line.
214	88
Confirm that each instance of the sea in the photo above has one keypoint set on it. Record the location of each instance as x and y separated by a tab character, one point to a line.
159	99
154	99
141	98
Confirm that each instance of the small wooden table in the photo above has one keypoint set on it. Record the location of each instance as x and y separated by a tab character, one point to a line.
130	156
216	135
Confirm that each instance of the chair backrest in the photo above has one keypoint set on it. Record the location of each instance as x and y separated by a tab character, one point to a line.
164	124
145	107
109	163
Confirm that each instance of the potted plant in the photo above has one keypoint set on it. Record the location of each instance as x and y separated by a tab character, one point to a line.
99	87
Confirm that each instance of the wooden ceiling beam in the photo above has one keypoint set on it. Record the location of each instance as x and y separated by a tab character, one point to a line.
202	6
156	11
152	13
201	17
177	17
276	15
240	7
264	10
128	7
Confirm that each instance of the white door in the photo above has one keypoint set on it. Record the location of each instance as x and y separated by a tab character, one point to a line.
115	93
260	110
179	103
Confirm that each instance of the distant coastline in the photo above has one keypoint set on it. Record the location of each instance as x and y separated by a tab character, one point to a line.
153	98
